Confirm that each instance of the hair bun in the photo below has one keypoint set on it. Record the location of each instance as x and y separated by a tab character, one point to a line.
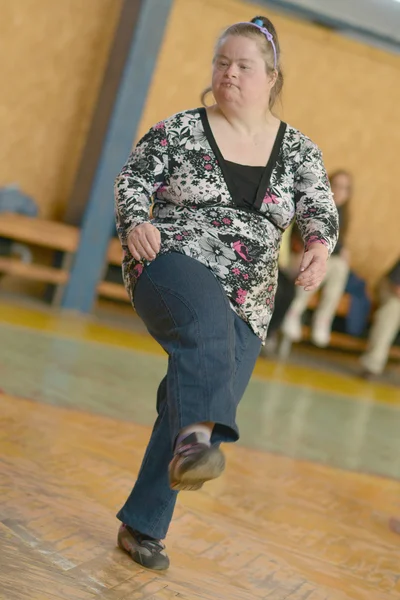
261	21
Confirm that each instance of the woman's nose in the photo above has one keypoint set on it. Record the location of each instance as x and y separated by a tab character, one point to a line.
231	71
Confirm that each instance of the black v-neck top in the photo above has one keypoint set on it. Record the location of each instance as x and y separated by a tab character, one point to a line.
241	179
246	180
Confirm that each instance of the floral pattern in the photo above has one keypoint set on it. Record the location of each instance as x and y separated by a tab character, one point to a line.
173	180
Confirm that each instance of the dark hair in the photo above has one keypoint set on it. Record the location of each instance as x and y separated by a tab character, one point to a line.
338	172
266	49
344	208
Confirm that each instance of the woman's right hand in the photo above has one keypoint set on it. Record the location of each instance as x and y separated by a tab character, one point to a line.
144	242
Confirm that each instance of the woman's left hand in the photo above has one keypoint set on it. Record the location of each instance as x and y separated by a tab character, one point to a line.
313	267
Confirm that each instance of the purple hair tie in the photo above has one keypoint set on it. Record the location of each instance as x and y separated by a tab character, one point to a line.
260	26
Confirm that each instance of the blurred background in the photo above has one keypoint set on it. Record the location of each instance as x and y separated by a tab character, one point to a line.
80	85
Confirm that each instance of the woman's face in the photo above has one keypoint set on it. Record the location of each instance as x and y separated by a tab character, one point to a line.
239	75
341	188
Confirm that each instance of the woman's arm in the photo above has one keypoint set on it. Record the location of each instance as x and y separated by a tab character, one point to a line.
144	172
316	215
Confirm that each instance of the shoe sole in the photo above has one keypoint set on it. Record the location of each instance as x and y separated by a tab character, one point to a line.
208	467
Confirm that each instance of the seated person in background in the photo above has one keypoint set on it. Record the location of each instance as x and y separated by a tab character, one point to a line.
386	324
335	279
13	200
360	306
292	250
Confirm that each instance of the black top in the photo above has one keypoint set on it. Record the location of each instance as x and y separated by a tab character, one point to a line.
394	274
235	188
246	181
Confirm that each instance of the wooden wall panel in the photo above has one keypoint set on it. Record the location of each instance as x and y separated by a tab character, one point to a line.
343	94
52	58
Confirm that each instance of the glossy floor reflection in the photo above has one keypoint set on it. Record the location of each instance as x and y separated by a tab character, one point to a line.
302	513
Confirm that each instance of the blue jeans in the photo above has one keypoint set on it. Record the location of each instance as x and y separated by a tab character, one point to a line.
211	356
360	306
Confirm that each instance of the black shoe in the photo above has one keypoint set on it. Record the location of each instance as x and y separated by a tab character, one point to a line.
144	550
194	463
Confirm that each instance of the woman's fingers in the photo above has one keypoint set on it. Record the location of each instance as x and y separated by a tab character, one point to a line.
154	239
312	270
144	242
133	251
145	249
305	261
313	280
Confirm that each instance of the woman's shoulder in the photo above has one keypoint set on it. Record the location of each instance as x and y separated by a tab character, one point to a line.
302	142
181	119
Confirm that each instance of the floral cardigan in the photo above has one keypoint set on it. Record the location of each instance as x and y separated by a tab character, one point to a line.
178	167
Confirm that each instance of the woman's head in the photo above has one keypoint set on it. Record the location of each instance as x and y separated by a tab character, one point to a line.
341	183
246	66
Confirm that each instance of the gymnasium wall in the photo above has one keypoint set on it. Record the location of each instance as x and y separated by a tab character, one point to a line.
343	94
52	59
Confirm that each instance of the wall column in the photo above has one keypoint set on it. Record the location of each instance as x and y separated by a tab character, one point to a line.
98	220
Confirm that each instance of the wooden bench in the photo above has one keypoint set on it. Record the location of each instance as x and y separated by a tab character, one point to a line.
65	238
54	236
44	234
108	289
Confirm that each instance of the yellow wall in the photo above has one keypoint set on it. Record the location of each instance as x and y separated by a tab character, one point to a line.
343	94
52	58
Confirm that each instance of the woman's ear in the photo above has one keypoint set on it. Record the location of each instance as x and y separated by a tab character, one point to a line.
273	77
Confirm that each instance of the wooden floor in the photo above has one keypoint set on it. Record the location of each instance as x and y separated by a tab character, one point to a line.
272	527
296	516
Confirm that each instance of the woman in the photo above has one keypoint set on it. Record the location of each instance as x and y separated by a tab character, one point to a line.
335	280
202	270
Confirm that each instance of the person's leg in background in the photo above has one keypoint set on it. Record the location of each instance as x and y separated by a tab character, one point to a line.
360	306
332	291
206	388
285	294
291	326
384	330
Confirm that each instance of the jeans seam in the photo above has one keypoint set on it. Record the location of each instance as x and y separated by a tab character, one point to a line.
157	289
149	446
199	337
162	512
239	360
